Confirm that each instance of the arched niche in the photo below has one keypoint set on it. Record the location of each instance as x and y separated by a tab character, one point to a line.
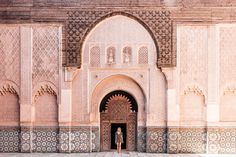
45	105
228	104
123	83
120	32
10	106
192	107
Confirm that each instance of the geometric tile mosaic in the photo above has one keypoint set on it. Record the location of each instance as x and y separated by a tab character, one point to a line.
156	140
9	139
26	133
64	139
95	139
142	133
87	139
192	140
45	140
80	139
222	140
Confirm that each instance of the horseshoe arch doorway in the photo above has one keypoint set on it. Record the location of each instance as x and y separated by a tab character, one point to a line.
118	109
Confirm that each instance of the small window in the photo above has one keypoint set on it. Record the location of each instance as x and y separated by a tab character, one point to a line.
127	55
143	55
95	56
111	58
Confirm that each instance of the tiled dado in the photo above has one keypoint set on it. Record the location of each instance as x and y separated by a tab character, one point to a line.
192	140
79	139
45	139
26	139
156	140
95	139
222	140
186	140
142	134
9	139
86	139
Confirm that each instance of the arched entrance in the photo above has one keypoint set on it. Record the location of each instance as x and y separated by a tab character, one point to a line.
118	109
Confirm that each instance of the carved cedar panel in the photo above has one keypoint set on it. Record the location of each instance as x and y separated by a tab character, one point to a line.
118	110
106	135
10	53
45	54
131	129
158	22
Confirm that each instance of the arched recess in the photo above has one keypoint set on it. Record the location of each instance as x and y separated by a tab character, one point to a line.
227	104
193	122
123	83
9	117
131	35
193	107
118	109
111	15
45	118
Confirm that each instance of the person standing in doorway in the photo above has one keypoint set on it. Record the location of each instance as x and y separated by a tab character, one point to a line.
119	139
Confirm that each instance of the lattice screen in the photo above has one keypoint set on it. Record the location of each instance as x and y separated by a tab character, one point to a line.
95	56
143	55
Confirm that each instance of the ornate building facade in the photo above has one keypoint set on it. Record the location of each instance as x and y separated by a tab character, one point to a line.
164	71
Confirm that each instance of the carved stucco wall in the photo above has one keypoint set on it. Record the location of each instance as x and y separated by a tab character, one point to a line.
193	70
46	53
10	53
158	23
131	34
9	74
227	37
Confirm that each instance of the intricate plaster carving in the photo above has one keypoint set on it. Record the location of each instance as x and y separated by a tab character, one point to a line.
193	89
230	90
227	55
44	89
46	49
10	53
158	23
7	89
193	56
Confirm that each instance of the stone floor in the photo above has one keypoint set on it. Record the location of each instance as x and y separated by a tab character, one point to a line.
110	154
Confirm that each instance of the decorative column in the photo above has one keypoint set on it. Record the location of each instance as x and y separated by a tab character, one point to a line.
26	89
213	88
65	107
172	110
